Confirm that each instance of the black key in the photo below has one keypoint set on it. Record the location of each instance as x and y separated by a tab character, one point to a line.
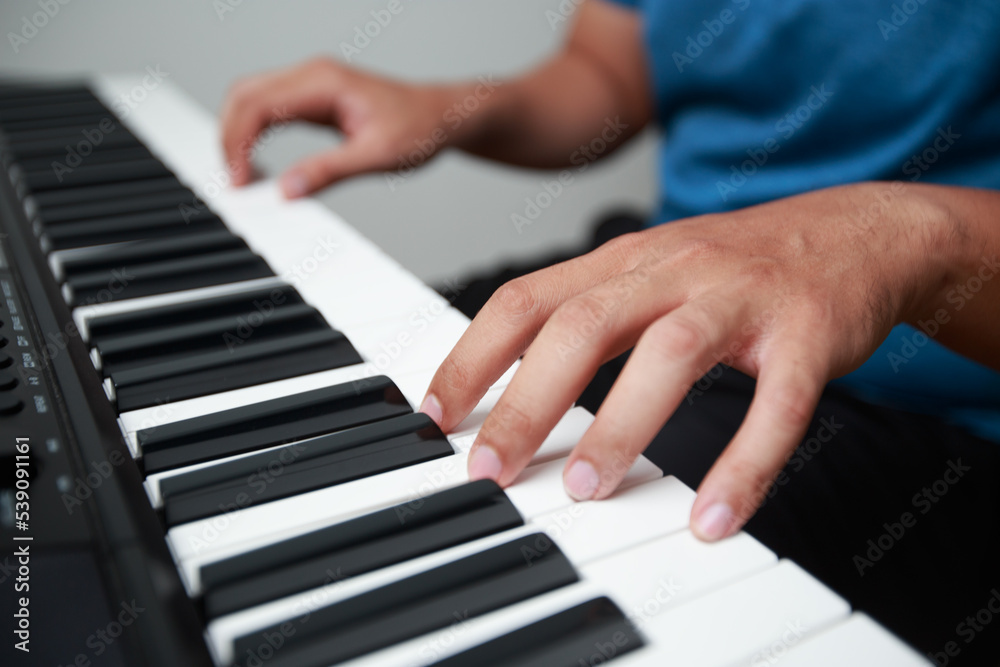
49	179
264	300
365	544
591	633
202	269
61	164
467	588
117	204
321	462
254	362
12	96
71	133
36	143
63	109
141	348
129	227
48	202
269	423
46	123
141	252
175	342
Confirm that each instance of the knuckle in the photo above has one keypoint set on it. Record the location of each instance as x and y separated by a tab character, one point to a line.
625	248
515	299
698	248
584	315
676	338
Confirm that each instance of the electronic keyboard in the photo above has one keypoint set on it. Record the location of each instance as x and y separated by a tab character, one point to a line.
211	454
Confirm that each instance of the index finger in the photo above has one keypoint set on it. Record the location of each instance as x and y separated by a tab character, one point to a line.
504	328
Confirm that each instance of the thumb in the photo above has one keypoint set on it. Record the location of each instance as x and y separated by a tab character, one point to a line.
318	171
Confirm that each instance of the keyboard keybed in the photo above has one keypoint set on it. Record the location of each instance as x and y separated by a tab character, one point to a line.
264	359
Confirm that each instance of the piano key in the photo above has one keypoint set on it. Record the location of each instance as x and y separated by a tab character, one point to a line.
644	581
780	606
127	227
473	586
217	370
94	119
666	493
160	415
320	462
355	547
33	143
56	199
105	258
578	635
232	262
98	174
127	349
148	195
265	524
106	322
277	421
859	641
50	109
26	94
99	155
537	495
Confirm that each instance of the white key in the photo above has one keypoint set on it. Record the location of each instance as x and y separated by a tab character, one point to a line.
860	642
667	498
747	622
643	581
252	527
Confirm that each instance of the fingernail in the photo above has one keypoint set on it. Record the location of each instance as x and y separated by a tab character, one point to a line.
715	522
432	408
581	481
294	185
484	464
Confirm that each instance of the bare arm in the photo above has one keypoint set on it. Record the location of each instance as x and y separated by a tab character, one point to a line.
539	119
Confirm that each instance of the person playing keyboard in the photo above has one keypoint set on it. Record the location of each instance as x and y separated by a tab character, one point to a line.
818	324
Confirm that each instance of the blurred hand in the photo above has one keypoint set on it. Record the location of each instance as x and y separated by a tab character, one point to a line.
794	293
380	120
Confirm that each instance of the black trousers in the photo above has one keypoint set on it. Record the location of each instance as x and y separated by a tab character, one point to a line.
897	512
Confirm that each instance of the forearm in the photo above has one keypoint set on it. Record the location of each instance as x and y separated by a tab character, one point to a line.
596	87
961	307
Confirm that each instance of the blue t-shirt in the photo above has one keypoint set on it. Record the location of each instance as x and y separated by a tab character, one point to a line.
761	99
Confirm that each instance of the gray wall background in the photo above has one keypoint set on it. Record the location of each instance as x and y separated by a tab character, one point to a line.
450	218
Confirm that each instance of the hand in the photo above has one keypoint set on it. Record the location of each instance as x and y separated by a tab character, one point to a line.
380	120
794	293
